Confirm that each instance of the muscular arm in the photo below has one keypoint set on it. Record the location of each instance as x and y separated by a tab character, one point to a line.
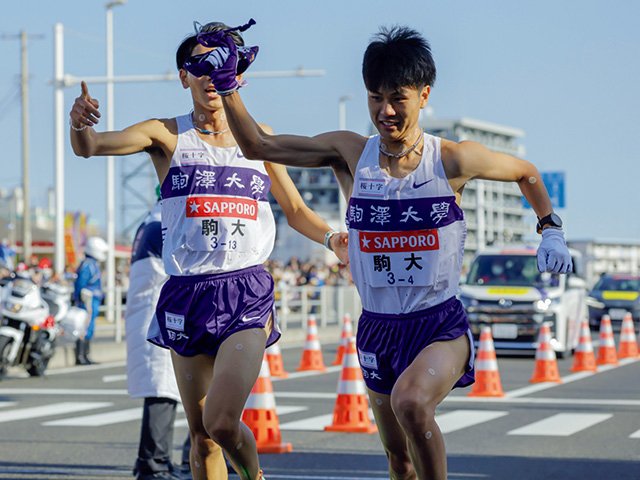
299	216
326	150
86	142
468	160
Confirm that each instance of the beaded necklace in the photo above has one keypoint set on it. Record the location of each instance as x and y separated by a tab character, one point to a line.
403	153
204	131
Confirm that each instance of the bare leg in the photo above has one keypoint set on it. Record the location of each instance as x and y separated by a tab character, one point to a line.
237	366
194	376
417	393
393	438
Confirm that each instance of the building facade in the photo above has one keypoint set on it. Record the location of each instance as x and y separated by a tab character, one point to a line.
494	211
608	256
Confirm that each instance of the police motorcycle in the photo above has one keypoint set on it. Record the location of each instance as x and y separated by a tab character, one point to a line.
27	329
70	320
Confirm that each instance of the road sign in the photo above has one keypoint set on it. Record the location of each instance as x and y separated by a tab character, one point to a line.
554	181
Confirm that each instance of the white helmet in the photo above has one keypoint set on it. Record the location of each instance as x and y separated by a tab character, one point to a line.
97	248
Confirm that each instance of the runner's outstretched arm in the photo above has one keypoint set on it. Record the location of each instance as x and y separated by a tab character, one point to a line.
299	216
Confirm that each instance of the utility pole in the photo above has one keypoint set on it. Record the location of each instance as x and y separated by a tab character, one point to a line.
24	94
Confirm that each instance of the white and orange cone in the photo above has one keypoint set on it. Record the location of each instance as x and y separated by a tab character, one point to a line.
312	353
487	382
274	359
546	366
584	359
260	414
351	411
347	333
607	349
628	347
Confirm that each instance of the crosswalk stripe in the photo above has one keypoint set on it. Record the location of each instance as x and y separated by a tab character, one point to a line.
280	410
99	419
50	410
7	404
114	378
561	424
459	419
311	424
635	434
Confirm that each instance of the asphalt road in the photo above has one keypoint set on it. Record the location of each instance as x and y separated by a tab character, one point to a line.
79	423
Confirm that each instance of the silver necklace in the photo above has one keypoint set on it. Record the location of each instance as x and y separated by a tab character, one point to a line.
403	153
204	131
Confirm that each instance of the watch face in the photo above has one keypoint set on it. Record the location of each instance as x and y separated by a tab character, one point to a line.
555	220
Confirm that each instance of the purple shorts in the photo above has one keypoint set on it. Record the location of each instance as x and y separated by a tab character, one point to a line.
196	313
388	344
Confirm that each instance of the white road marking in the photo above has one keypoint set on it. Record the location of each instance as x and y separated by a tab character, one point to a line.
568	379
311	424
562	424
50	410
62	391
114	378
294	375
545	401
7	404
635	434
85	368
280	410
99	419
459	419
307	395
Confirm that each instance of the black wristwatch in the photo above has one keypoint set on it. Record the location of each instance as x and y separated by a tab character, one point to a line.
551	219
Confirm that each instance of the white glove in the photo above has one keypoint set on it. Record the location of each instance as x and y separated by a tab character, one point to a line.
553	254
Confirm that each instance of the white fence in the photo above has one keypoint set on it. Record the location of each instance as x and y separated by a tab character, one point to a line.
294	305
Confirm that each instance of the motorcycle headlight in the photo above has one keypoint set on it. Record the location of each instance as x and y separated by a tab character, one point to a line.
13	307
594	302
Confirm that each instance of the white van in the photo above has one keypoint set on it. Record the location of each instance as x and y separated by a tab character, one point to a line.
504	290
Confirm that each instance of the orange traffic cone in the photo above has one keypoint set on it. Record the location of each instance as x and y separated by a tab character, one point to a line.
312	354
583	359
628	344
347	333
487	382
546	367
351	412
260	414
607	348
274	358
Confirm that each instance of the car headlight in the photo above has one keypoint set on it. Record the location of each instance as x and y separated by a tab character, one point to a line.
545	304
594	302
468	301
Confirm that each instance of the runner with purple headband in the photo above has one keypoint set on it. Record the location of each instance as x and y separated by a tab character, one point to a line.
406	236
217	308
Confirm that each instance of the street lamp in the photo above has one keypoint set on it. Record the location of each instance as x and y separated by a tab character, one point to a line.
111	207
342	125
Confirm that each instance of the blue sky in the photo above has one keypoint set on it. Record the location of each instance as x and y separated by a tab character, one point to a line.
564	72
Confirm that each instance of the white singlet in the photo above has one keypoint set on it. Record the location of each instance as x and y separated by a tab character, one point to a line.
406	235
216	215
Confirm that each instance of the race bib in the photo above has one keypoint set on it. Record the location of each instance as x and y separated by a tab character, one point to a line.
404	258
218	223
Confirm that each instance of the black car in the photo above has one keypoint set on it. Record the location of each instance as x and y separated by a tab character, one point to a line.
614	295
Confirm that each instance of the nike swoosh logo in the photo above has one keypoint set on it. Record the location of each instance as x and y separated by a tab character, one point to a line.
248	319
418	185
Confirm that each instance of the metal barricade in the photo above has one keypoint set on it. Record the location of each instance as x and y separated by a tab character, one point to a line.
293	304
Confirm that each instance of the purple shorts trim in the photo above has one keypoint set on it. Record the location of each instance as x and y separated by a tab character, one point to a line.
388	344
196	313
